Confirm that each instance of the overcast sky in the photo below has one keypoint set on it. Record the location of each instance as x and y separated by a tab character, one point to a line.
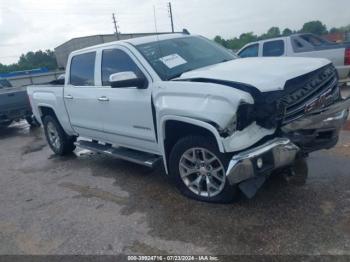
44	24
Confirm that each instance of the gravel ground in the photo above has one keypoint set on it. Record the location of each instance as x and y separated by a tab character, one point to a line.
92	204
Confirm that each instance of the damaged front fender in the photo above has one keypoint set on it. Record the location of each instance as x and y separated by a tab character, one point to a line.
240	140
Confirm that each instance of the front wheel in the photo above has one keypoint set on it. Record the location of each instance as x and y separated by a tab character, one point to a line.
199	170
60	143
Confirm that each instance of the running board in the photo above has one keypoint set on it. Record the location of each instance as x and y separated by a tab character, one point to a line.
130	155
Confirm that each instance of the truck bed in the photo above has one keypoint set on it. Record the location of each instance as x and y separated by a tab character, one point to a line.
51	96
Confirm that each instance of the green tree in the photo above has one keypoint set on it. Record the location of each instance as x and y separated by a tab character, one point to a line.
32	60
272	32
236	43
314	27
342	29
247	37
220	40
287	32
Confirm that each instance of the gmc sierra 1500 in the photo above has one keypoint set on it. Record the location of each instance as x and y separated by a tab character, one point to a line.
218	123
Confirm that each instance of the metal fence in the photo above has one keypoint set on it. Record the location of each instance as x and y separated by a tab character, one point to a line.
42	78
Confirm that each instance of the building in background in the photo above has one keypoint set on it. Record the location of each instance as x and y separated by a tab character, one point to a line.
62	51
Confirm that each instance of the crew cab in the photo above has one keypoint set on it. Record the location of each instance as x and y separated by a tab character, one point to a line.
303	45
219	124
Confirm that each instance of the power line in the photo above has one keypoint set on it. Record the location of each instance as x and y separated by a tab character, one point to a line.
115	26
171	17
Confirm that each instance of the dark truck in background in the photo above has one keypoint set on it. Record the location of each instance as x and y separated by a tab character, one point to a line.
14	104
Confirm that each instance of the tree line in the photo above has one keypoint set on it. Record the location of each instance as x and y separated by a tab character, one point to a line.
314	27
32	60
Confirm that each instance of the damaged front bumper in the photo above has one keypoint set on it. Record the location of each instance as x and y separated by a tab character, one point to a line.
332	116
262	159
247	167
319	129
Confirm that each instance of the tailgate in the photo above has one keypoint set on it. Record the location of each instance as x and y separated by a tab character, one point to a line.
13	98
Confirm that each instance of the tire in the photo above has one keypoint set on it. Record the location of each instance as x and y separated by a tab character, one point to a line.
60	143
186	174
31	120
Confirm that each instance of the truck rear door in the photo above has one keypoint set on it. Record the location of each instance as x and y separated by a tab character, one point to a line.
274	48
81	97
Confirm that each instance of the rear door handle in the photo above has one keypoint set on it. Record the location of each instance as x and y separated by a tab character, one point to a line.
103	98
68	97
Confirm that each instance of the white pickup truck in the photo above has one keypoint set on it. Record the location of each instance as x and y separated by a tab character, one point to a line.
218	123
303	45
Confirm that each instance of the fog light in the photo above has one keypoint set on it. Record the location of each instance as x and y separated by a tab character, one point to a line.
259	162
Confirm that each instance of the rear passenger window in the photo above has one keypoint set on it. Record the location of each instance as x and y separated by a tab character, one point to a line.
250	51
116	61
82	70
273	48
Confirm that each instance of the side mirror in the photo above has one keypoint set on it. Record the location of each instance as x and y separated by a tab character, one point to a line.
127	79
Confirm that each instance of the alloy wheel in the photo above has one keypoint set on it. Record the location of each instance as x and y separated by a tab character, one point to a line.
53	136
202	172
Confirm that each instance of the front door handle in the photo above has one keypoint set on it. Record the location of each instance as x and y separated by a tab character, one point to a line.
103	98
68	97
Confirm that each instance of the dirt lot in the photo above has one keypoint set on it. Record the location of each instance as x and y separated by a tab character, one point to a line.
92	204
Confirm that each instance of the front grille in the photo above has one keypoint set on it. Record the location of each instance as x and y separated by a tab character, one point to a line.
302	90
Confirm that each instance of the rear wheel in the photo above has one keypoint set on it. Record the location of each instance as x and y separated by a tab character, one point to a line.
60	143
199	170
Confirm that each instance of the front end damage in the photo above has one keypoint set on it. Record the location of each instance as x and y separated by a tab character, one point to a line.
313	113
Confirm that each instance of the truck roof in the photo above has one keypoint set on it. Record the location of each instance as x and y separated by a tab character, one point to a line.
277	38
135	41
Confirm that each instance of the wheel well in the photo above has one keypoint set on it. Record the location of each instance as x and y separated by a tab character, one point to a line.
175	130
47	111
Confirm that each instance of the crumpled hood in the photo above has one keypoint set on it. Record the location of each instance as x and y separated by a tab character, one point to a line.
266	74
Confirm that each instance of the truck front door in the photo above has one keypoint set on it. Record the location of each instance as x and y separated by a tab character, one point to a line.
127	111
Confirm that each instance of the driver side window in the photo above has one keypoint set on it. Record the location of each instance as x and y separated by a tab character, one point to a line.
116	61
250	51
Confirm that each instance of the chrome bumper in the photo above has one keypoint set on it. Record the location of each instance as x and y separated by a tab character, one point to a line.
281	152
263	159
333	116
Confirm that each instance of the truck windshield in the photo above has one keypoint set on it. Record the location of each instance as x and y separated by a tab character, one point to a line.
172	57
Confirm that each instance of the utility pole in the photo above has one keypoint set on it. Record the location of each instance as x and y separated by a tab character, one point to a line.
171	17
115	26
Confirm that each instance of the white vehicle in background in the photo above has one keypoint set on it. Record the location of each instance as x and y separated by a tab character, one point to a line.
303	45
217	123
